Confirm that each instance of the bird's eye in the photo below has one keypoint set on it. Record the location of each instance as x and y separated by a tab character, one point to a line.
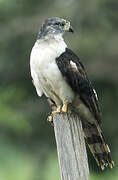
62	24
57	23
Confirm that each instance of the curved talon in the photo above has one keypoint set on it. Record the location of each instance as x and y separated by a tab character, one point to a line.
50	118
59	110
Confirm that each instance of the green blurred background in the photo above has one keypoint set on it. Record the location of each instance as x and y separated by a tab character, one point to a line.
27	143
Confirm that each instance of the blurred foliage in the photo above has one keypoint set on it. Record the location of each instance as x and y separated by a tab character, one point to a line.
27	144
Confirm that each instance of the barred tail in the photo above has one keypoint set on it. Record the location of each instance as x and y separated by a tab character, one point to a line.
93	136
97	145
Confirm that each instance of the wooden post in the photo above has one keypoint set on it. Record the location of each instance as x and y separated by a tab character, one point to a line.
71	148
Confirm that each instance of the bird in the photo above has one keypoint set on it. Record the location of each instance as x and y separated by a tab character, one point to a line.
59	74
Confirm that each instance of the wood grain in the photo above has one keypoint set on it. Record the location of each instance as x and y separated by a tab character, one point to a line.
71	148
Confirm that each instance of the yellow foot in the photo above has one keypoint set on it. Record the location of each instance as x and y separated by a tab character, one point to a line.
57	111
65	109
50	118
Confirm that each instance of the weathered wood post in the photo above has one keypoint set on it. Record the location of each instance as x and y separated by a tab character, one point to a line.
71	148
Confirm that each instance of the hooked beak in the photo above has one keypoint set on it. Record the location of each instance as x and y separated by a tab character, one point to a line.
68	27
71	29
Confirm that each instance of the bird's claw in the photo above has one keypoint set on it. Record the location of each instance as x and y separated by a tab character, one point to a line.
59	110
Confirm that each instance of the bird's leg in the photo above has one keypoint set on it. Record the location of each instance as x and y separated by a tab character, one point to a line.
57	111
64	109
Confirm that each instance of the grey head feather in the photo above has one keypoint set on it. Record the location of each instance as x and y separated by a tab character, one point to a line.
54	26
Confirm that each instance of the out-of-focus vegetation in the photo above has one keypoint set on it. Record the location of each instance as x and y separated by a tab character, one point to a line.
27	144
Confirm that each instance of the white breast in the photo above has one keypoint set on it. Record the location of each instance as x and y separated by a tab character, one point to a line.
44	70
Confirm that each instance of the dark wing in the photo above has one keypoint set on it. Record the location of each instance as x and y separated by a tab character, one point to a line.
73	70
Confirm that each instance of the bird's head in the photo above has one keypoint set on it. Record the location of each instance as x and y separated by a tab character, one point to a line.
54	27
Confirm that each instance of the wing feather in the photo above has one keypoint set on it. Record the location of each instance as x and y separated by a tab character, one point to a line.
74	72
